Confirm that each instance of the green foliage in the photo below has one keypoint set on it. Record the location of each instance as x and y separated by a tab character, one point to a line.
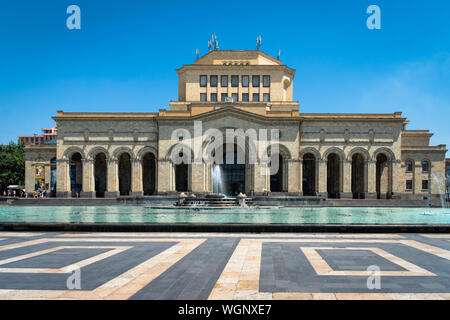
12	165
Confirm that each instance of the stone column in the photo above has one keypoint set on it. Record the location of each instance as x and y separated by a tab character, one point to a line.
48	176
62	178
29	177
347	179
137	187
166	179
397	182
197	177
88	179
371	179
112	188
261	174
292	176
322	178
207	177
366	177
249	179
300	177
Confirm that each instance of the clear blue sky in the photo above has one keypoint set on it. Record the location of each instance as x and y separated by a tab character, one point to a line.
124	57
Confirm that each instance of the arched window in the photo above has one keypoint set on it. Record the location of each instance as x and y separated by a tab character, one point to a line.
125	174
409	166
148	173
100	174
309	175
358	183
76	174
333	176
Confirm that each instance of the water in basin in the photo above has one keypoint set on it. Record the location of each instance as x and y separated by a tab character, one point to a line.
310	215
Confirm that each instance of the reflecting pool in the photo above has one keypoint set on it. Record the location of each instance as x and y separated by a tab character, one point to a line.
310	215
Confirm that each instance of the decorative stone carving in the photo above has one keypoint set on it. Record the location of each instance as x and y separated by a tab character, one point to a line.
111	134
86	134
346	135
371	136
322	135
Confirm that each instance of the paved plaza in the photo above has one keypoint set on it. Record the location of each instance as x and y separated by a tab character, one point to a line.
213	266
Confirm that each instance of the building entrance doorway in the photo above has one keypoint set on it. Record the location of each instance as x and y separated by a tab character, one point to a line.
229	178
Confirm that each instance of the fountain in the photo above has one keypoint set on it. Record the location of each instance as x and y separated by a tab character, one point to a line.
218	181
440	179
210	200
218	198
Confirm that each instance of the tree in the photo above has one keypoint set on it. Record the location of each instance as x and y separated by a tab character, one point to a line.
12	165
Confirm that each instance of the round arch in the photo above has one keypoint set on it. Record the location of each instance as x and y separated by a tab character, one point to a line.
279	179
180	173
365	154
145	150
75	157
71	151
118	152
148	161
386	151
96	151
100	162
337	151
183	146
282	149
312	151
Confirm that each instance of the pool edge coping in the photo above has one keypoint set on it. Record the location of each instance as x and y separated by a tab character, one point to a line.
224	228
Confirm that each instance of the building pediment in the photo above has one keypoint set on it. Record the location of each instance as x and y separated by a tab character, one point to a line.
237	57
234	112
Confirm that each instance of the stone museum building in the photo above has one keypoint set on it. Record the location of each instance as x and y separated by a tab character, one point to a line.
363	156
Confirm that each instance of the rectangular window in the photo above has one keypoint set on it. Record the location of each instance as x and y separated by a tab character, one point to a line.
224	81
214	97
202	96
256	97
424	184
245	97
235	97
203	81
409	166
266	81
245	81
266	97
409	185
255	81
235	81
425	166
223	97
213	81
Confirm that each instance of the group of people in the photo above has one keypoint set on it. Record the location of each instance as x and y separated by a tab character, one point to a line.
15	193
40	193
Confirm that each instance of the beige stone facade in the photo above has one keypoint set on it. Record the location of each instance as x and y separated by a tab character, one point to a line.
328	155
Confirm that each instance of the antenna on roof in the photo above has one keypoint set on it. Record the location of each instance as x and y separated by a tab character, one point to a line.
213	44
216	43
258	42
196	53
279	53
